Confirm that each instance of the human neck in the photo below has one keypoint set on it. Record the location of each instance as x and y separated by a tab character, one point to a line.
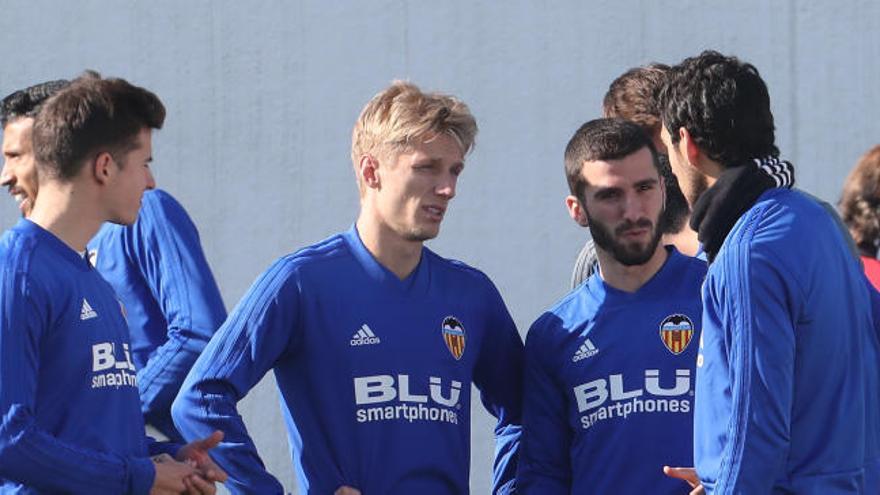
62	210
629	278
685	241
398	255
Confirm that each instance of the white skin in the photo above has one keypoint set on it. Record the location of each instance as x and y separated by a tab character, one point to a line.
104	190
107	190
19	172
621	192
685	241
404	198
689	163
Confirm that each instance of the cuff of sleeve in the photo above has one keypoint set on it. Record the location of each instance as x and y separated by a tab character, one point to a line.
142	473
170	448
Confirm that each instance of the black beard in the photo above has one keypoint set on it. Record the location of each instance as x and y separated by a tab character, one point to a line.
627	255
676	210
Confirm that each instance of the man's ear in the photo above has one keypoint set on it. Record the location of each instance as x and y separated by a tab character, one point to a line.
576	211
368	171
103	167
689	147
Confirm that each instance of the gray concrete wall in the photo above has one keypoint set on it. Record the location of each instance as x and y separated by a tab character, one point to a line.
262	96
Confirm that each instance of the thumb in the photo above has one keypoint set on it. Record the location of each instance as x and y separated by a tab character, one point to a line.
210	441
688	474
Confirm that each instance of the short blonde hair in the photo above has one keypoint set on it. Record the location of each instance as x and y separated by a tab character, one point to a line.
402	114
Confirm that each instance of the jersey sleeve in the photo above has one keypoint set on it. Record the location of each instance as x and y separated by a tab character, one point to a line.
498	376
28	454
258	332
756	311
165	247
544	466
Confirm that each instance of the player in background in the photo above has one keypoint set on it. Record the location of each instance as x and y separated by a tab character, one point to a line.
156	266
374	339
860	209
69	404
788	336
608	397
633	96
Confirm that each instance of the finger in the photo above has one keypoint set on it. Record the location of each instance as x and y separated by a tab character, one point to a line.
202	487
347	490
188	488
683	473
698	491
214	473
209	442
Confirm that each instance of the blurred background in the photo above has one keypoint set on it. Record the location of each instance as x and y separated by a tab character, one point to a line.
262	96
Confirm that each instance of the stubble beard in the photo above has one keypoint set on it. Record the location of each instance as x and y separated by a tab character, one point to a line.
628	254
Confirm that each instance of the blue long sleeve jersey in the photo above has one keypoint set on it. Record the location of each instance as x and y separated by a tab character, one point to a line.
70	420
787	374
609	392
159	271
374	372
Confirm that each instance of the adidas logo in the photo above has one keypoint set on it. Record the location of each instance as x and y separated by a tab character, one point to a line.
87	313
364	336
587	349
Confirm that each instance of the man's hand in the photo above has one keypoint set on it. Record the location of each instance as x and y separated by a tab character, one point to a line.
170	476
196	454
687	474
347	490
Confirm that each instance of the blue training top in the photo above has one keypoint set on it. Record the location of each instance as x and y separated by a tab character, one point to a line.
609	386
173	305
71	420
375	373
787	376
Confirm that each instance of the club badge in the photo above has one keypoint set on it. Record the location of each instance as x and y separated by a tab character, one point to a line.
453	335
676	332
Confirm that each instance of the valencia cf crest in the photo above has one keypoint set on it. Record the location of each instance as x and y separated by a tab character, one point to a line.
453	335
676	332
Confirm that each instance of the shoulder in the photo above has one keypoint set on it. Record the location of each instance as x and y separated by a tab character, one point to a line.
321	256
783	223
690	268
158	206
25	267
16	251
459	272
562	318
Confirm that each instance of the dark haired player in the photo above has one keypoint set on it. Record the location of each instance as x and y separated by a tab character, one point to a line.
787	375
608	397
156	267
71	420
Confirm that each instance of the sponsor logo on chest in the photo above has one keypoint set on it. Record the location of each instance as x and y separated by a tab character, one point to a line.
392	398
618	397
112	366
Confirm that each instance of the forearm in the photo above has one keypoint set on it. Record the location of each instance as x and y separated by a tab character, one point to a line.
160	379
203	408
34	458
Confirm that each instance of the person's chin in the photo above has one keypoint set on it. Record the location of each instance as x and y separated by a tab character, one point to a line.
424	233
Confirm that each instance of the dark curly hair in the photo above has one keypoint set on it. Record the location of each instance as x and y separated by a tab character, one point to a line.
28	101
860	202
725	106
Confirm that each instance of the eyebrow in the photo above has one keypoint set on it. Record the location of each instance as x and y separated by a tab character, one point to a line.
647	182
